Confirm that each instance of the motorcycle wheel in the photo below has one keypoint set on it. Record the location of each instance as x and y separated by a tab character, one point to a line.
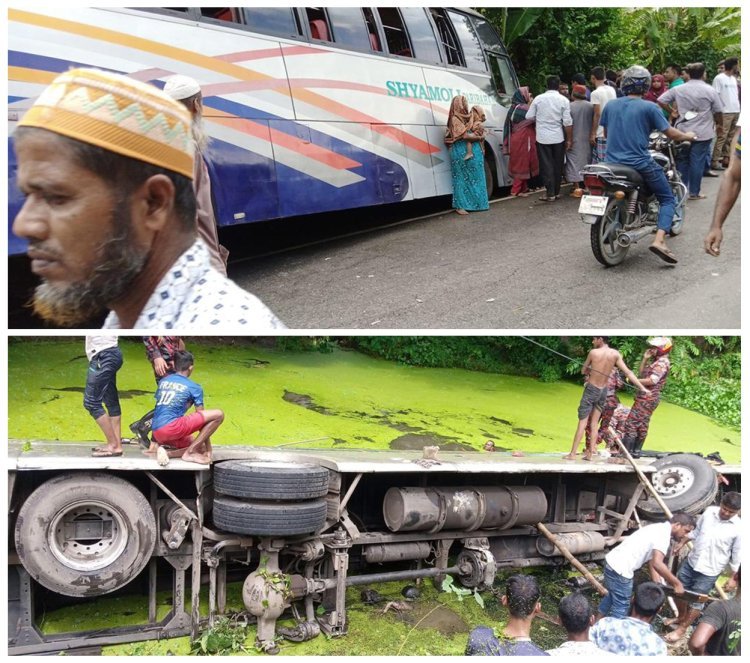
604	234
678	190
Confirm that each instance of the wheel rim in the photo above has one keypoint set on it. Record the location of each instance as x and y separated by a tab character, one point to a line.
87	536
608	233
673	481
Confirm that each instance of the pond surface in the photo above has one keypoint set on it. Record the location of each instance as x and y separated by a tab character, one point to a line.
341	399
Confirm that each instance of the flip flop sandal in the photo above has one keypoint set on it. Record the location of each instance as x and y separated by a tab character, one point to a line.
545	199
103	452
665	254
700	196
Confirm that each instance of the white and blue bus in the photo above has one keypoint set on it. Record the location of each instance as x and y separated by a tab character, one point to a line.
309	109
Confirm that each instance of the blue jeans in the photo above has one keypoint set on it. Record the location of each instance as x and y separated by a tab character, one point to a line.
695	582
657	181
692	164
617	602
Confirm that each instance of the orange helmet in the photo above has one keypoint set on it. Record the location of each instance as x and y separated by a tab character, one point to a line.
662	343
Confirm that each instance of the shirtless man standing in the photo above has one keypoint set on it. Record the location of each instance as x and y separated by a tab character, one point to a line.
597	369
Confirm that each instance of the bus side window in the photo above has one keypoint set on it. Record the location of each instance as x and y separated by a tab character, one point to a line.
502	75
350	28
421	34
447	37
318	22
473	56
487	35
395	35
226	14
279	21
372	30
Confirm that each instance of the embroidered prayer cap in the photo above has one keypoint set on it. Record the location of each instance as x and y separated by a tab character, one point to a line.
181	87
119	114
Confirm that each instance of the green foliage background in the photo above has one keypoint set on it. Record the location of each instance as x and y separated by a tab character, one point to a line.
563	41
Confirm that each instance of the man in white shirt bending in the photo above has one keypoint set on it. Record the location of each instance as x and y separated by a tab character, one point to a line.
600	96
650	544
726	85
554	135
717	541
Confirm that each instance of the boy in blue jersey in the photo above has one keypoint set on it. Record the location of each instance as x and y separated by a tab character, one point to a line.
627	123
172	426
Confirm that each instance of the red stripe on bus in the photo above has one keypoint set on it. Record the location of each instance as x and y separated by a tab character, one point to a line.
282	139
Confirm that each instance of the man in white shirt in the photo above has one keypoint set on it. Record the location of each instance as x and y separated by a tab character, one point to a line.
717	541
649	544
100	396
600	96
726	85
577	618
554	135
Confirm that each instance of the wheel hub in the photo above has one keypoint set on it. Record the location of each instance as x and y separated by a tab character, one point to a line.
673	481
87	536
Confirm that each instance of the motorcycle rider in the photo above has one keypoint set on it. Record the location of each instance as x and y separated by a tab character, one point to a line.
627	123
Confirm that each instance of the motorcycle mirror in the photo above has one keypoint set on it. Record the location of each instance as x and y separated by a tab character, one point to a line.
691	115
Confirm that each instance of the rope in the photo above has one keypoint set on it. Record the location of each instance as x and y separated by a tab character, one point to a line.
575	361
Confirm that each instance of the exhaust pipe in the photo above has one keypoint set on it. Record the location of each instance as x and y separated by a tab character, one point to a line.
629	237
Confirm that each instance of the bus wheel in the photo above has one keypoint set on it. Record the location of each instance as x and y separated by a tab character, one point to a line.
269	518
270	480
685	482
85	534
489	174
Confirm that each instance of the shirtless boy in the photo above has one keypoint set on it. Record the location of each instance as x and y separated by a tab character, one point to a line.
172	426
597	369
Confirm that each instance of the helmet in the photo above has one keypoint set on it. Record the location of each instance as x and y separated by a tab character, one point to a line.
662	343
635	80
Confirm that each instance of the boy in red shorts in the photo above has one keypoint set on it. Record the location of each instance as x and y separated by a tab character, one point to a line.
172	426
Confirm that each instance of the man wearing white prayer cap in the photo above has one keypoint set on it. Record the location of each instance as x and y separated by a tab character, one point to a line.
105	163
187	91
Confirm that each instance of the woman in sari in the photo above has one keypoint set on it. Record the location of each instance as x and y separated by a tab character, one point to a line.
519	141
469	186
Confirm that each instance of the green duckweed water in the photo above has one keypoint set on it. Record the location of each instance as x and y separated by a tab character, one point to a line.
346	399
274	398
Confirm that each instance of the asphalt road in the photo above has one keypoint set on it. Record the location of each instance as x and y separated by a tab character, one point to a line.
522	265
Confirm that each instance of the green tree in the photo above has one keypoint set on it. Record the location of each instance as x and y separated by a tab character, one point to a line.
557	41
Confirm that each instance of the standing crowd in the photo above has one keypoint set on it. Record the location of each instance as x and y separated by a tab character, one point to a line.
561	131
624	623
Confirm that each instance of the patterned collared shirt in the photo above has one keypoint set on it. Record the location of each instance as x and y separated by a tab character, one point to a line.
627	637
192	295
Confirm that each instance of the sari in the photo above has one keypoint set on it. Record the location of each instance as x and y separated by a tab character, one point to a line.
519	139
469	185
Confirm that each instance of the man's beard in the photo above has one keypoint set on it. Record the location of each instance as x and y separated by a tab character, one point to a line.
120	261
199	133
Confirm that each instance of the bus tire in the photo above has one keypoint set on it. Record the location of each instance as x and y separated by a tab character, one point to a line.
685	482
490	178
270	480
269	518
85	534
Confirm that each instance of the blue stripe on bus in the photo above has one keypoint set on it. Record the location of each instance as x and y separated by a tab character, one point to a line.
43	62
257	188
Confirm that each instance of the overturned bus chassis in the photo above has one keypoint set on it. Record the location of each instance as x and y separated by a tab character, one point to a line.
308	524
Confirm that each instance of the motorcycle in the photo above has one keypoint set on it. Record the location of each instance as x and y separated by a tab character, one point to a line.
619	206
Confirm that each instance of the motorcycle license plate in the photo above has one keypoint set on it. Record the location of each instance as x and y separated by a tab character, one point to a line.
593	205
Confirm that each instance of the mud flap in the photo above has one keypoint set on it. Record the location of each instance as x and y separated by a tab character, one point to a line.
589	219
